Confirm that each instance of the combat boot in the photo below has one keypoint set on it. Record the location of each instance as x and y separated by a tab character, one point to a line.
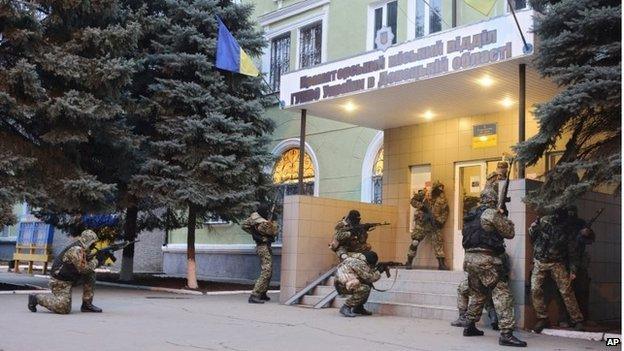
471	330
89	307
347	311
461	321
441	265
265	297
255	299
540	325
508	339
408	263
578	326
361	310
32	302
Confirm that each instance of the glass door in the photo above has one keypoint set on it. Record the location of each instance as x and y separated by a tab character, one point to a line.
469	181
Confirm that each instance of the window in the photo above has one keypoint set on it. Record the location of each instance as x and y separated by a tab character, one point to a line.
280	59
426	17
286	178
385	15
377	178
518	4
310	43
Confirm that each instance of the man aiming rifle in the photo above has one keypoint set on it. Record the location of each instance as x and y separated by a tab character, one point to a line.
75	265
350	236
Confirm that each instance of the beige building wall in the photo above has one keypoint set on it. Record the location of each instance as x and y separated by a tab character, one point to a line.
441	144
308	229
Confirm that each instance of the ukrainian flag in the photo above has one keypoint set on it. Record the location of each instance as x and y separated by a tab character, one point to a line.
482	6
230	56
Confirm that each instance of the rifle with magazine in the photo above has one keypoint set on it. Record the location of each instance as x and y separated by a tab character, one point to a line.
503	199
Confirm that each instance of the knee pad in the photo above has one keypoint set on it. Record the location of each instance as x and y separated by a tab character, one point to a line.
415	243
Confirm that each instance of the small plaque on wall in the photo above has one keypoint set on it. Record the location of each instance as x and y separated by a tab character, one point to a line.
484	135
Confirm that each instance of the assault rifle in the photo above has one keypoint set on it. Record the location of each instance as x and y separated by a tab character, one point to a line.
589	224
502	195
384	267
364	227
109	251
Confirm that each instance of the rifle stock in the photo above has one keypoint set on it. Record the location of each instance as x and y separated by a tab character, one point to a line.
503	199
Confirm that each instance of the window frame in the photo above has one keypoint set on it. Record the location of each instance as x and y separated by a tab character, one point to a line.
299	45
370	27
276	38
411	20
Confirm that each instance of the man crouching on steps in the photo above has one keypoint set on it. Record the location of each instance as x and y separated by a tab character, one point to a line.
71	267
263	232
355	276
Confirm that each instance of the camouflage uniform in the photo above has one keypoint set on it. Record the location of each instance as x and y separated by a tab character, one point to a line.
354	277
463	297
552	248
346	243
265	233
486	270
493	178
75	254
429	218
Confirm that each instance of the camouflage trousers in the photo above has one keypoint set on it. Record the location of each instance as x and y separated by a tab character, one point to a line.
60	299
560	275
487	277
463	297
419	233
266	269
357	296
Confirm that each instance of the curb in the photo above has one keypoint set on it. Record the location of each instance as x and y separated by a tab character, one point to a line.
24	292
169	290
592	336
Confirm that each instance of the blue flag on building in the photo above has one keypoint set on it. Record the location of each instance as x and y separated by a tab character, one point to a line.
230	56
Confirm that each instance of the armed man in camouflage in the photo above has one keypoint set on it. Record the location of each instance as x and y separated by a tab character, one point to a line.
485	229
263	232
348	239
355	277
553	247
70	268
431	211
463	298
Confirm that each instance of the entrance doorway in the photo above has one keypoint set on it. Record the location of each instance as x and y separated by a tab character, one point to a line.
469	181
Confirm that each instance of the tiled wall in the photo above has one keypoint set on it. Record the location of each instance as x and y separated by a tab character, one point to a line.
308	229
440	144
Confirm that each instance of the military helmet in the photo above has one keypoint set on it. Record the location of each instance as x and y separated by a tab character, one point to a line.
88	238
354	215
263	210
437	185
371	257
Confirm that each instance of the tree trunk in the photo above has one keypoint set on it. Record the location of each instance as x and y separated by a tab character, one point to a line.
130	233
191	271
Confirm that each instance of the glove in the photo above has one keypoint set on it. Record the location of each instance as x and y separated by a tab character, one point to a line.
101	257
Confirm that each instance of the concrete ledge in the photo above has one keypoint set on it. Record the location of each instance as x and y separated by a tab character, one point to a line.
580	335
220	248
25	292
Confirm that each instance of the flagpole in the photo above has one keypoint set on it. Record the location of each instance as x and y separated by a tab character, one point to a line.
279	102
527	48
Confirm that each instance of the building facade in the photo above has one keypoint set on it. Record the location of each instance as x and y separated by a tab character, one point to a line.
453	90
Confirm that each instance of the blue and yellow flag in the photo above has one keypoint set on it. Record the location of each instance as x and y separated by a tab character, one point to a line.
482	6
230	56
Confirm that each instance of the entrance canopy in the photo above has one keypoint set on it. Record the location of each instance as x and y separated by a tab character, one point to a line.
468	70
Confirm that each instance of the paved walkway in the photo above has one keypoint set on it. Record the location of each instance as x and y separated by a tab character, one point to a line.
144	320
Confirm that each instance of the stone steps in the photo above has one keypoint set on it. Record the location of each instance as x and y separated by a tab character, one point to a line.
416	293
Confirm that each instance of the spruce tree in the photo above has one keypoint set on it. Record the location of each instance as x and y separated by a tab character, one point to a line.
64	66
580	43
207	150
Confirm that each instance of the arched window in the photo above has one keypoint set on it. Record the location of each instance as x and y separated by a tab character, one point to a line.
286	171
377	178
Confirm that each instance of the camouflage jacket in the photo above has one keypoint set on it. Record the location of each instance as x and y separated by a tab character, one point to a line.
432	212
74	260
348	240
553	243
492	220
261	229
354	271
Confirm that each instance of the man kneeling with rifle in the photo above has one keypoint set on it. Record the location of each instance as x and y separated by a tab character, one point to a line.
355	277
74	265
